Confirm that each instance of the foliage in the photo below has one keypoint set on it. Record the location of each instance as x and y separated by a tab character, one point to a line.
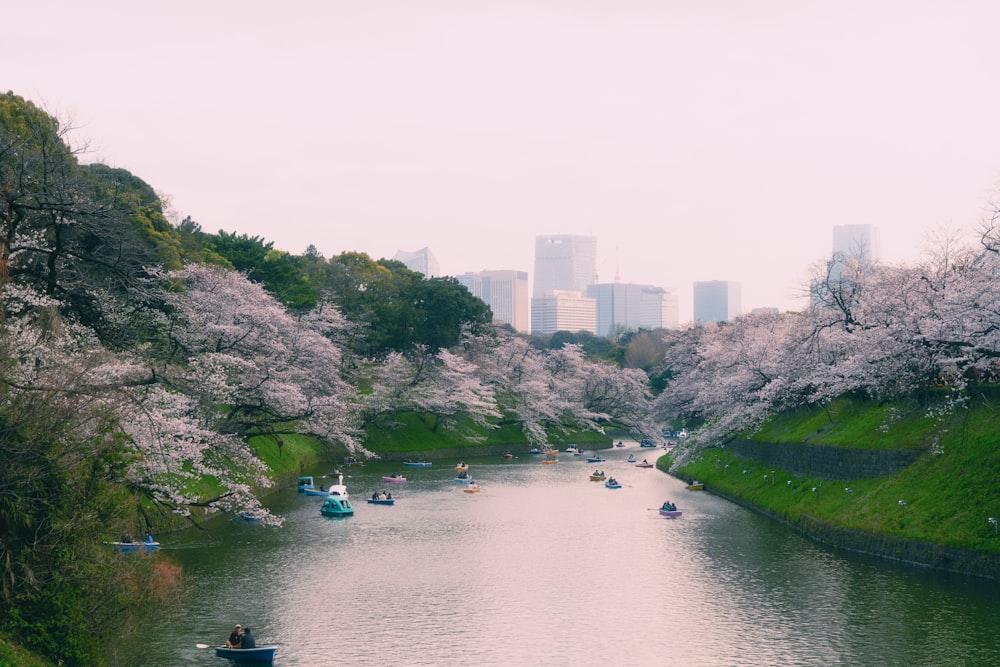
12	654
877	331
411	433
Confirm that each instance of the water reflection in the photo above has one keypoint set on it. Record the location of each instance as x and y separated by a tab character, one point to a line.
544	567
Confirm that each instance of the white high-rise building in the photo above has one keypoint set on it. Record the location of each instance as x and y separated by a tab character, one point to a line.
421	261
564	262
505	292
660	308
563	311
717	300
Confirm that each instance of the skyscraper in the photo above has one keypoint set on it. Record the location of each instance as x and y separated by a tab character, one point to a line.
717	300
564	262
633	307
563	311
421	261
857	242
505	292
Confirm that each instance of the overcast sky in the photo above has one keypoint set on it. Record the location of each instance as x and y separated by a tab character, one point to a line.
697	139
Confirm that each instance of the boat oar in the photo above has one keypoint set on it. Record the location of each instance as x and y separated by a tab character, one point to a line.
202	646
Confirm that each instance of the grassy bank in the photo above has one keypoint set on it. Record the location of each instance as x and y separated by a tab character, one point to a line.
948	495
12	654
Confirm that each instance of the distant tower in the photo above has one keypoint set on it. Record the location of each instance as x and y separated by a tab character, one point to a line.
565	263
717	300
505	292
857	242
421	261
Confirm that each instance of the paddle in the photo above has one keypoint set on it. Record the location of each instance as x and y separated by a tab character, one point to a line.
202	646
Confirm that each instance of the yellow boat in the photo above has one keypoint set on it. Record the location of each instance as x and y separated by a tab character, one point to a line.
471	488
550	460
597	478
696	486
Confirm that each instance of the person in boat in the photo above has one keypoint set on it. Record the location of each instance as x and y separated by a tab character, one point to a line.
235	637
645	461
248	640
388	496
149	538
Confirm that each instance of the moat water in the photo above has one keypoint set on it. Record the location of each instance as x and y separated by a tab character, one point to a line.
545	567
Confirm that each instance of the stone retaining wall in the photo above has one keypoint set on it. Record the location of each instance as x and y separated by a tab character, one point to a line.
825	461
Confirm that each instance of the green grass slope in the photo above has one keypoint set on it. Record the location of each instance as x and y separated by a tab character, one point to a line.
948	495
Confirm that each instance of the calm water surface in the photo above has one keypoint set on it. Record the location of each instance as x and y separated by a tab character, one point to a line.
545	567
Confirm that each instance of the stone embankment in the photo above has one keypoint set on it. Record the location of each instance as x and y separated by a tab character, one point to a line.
826	461
842	463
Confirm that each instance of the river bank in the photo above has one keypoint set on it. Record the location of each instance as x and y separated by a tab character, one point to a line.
916	489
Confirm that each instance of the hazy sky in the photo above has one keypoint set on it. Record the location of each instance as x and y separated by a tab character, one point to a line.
697	139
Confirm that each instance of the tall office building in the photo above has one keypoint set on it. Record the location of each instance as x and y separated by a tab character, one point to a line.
563	311
717	300
421	261
632	307
564	262
505	292
857	242
660	308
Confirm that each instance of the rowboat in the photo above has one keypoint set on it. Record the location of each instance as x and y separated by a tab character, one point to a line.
612	484
418	464
573	449
598	478
551	452
463	478
312	491
534	450
668	509
305	483
145	546
644	464
550	460
336	506
472	487
595	459
630	459
259	654
646	442
381	501
394	479
354	463
696	486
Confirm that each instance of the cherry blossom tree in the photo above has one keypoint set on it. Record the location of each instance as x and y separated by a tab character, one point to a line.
252	367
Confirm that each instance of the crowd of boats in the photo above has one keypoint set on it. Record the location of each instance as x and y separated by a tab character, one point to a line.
336	502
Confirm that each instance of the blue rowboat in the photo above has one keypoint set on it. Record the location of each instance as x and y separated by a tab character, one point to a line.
382	501
259	654
134	547
419	464
596	459
612	484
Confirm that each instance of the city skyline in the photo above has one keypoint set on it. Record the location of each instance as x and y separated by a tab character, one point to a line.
702	141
